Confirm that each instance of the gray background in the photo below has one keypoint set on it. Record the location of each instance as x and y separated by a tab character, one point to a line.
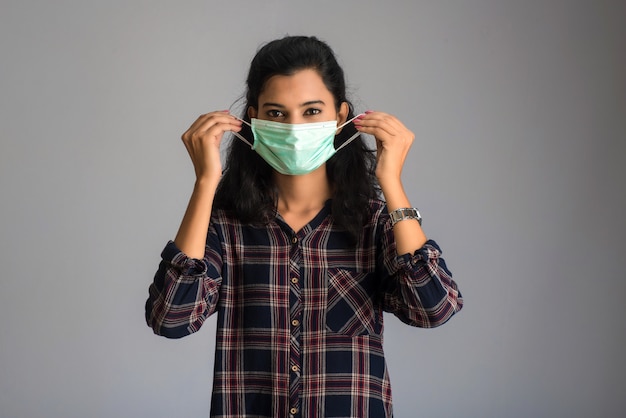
519	111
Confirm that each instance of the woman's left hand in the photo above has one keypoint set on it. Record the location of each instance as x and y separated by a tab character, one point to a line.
393	141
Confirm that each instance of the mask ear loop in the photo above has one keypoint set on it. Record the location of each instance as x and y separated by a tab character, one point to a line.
238	135
353	137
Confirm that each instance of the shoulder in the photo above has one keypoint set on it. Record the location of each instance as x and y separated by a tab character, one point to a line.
378	208
222	220
378	214
222	216
378	205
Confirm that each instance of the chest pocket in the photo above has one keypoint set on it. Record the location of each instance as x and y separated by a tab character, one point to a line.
351	309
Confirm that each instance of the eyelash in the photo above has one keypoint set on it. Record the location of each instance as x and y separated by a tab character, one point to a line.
275	113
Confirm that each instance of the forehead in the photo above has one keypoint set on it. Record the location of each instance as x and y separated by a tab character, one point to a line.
299	87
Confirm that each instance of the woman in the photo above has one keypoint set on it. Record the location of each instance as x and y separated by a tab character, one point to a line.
293	248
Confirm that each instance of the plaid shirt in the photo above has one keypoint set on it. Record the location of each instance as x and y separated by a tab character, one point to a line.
300	315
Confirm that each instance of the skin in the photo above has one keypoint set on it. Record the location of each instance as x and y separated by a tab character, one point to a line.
298	98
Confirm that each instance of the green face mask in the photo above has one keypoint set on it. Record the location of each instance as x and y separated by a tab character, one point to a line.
295	149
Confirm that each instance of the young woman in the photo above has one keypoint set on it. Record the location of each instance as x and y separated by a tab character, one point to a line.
294	249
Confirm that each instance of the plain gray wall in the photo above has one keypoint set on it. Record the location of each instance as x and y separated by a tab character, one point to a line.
519	109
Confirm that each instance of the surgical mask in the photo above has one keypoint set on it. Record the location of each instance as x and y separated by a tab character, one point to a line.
295	149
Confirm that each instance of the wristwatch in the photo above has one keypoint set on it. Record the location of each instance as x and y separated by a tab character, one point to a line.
405	213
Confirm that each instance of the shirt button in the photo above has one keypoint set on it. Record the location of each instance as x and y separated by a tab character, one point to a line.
294	240
295	322
294	280
294	368
293	411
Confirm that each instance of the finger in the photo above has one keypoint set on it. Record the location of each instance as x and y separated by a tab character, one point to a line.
378	128
219	127
383	126
202	120
214	123
385	121
221	119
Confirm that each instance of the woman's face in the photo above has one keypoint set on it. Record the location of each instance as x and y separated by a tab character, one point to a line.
298	98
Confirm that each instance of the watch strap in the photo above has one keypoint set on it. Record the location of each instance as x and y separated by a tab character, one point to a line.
405	213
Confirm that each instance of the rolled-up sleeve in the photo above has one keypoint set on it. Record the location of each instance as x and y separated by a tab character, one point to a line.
184	291
418	288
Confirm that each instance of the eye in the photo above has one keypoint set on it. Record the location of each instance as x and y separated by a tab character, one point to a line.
312	111
274	113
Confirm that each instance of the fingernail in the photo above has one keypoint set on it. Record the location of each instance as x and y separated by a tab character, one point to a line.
369	111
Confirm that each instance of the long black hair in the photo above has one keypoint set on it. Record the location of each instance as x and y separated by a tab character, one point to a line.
247	186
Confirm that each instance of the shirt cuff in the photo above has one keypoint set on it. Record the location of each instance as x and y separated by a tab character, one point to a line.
430	251
172	255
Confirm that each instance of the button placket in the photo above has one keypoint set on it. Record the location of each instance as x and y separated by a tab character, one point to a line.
295	309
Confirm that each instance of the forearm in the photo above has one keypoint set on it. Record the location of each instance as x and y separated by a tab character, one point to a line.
422	291
192	234
408	233
183	294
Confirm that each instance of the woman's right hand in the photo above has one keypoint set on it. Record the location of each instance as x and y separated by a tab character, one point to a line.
203	139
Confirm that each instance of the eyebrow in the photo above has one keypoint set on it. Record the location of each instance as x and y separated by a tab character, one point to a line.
309	103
